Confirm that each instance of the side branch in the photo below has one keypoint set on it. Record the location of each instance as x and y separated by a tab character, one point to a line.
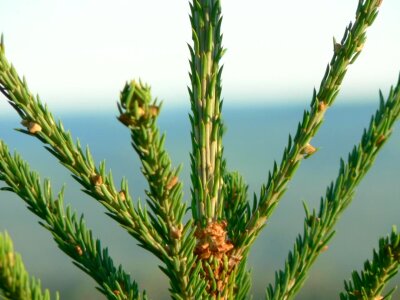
40	123
15	282
69	232
318	228
138	111
236	207
237	213
345	53
384	265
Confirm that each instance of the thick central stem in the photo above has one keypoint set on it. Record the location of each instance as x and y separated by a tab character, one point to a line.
205	93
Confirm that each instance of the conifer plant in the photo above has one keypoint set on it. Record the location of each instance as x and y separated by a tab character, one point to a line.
202	245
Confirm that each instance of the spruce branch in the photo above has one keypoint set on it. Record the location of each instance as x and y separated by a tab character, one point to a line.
243	281
206	104
69	232
205	257
15	282
319	228
40	123
236	206
298	148
384	265
138	111
236	214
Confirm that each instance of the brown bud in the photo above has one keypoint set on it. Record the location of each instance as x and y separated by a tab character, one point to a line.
122	195
154	110
324	248
78	250
322	106
34	127
116	292
140	111
176	232
96	179
126	119
380	140
172	182
308	150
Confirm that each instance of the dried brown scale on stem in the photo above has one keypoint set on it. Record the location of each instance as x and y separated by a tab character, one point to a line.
212	240
214	251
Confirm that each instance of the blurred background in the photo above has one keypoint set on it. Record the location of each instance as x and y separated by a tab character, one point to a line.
77	56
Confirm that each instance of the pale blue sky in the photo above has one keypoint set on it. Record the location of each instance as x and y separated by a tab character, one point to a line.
80	52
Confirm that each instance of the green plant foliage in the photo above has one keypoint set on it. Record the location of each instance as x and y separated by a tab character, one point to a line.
203	245
318	227
370	282
15	282
69	232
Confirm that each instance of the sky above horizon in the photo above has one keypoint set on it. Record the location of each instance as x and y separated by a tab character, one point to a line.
76	53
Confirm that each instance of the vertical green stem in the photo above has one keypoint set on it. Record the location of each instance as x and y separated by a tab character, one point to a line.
205	93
